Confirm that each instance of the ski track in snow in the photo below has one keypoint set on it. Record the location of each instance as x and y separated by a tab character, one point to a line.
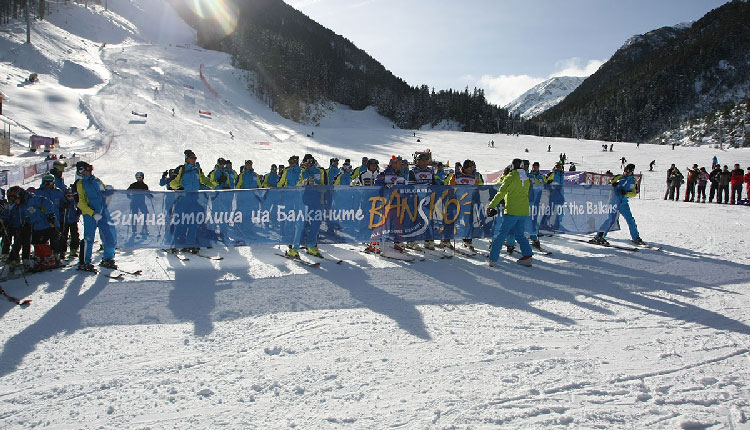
589	337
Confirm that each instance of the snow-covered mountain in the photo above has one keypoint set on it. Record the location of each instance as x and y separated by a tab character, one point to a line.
589	337
543	96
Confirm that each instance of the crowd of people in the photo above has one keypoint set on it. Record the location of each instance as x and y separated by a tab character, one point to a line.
48	217
723	184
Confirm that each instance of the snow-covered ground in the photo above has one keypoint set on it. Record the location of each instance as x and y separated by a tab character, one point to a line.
587	338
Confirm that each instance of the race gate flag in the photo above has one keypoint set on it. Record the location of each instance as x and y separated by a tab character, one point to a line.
294	215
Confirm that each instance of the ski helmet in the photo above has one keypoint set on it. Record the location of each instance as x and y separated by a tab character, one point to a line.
16	192
630	168
516	163
59	165
81	167
48	179
189	154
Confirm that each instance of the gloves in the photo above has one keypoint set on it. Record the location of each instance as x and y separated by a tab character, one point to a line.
623	191
164	175
51	219
97	217
491	212
109	188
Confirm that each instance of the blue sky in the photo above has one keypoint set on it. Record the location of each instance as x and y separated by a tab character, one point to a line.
503	46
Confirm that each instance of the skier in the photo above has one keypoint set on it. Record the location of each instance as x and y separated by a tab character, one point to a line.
248	178
345	177
624	186
361	169
16	219
515	193
738	176
138	200
48	238
91	201
189	177
291	174
71	216
271	179
58	168
536	178
440	172
651	165
422	174
333	168
467	175
310	175
549	148
556	178
232	174
220	174
368	177
622	162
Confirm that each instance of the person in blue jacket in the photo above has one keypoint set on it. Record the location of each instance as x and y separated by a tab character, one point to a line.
58	168
291	174
57	198
18	227
190	177
555	181
333	169
70	218
248	178
271	179
91	200
344	178
232	176
623	187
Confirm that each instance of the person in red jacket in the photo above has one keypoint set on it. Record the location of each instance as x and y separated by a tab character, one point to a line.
738	176
747	183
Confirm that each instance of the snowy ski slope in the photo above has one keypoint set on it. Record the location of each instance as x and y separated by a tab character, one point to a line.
587	338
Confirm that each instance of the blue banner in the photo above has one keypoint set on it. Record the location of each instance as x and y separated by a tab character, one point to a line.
326	214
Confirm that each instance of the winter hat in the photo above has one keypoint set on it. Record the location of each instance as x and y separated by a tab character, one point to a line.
308	158
189	154
516	163
138	175
48	178
631	167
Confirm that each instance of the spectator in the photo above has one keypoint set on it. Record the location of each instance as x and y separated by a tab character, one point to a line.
675	180
714	178
669	180
738	176
702	181
692	180
747	183
725	177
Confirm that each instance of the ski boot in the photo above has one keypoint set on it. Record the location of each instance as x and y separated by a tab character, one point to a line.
293	253
373	247
412	245
536	244
86	267
468	244
509	249
525	261
429	245
446	244
638	241
397	246
108	263
314	251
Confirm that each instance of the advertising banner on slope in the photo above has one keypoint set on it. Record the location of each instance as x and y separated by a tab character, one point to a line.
299	215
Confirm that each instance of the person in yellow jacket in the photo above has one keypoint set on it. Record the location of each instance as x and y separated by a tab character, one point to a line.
190	177
515	192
